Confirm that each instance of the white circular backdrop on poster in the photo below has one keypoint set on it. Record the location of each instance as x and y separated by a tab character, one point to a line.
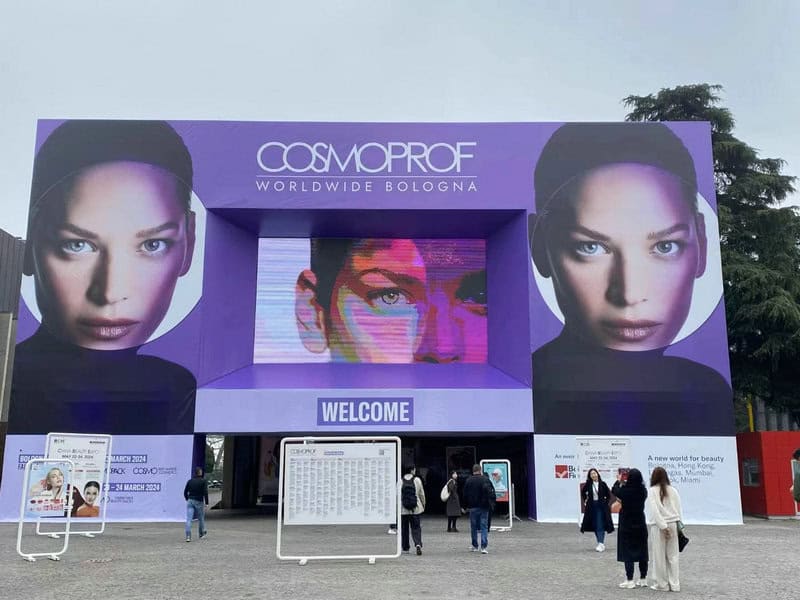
188	288
707	288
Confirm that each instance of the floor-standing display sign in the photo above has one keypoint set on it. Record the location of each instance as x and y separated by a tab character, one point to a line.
345	480
91	455
611	456
45	495
499	472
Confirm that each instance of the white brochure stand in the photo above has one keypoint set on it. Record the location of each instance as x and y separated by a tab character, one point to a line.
505	464
53	451
23	505
299	504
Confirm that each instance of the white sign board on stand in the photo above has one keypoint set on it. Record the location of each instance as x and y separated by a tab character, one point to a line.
498	470
91	455
609	455
338	481
45	495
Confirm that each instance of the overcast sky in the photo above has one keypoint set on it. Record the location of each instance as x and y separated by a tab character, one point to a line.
386	61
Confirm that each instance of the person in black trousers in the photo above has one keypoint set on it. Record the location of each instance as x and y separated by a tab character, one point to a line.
632	542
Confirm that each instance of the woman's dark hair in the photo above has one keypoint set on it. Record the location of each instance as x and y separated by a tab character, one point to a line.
660	478
79	144
328	257
635	478
453	472
93	484
796	454
576	149
589	476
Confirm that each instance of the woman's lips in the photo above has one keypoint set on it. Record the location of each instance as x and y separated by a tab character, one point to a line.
107	329
630	331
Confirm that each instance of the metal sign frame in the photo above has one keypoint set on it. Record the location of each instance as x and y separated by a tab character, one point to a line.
31	556
510	491
303	559
89	533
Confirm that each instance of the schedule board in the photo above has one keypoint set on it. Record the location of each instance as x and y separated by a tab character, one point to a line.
340	483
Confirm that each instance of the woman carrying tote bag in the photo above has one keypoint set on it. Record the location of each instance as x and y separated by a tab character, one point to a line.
664	507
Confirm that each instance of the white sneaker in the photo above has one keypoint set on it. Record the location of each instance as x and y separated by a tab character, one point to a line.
392	531
473	548
642	582
484	551
628	584
600	548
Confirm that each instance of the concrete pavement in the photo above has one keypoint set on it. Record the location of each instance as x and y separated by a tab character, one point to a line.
237	560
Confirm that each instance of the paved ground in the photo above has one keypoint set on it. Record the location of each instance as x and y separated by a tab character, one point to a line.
151	561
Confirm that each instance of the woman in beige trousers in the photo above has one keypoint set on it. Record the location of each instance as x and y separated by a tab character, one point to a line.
664	508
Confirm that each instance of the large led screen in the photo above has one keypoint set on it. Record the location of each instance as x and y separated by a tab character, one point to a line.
371	301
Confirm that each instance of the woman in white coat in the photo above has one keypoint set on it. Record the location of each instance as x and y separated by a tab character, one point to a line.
664	508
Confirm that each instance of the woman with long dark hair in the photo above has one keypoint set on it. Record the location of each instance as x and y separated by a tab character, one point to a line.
453	502
632	539
597	512
664	505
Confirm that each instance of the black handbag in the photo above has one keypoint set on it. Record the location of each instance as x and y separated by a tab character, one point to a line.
682	539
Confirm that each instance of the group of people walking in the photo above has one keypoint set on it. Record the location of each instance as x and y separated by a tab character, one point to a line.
649	523
478	499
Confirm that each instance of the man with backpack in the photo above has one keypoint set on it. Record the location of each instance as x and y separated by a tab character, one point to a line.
412	501
478	497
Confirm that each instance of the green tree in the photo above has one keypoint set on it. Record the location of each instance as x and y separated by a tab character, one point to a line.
760	247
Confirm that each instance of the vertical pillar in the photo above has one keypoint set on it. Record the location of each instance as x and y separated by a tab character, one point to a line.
199	451
531	477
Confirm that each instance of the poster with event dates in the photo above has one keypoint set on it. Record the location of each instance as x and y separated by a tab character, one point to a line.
340	483
90	454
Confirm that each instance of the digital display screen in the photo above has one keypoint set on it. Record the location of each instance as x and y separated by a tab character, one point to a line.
371	301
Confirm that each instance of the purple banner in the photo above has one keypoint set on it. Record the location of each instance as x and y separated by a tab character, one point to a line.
147	476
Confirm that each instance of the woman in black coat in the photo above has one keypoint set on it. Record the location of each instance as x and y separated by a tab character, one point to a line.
632	542
597	512
453	502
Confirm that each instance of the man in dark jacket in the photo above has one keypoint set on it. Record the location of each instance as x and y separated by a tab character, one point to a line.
478	495
196	493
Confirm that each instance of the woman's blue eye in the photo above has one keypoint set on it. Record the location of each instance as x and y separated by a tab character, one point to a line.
589	248
389	296
76	246
667	248
154	246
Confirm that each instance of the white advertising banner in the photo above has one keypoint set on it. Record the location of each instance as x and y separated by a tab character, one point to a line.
606	454
90	455
148	473
340	484
609	455
703	470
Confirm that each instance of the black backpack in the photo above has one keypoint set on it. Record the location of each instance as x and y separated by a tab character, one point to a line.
408	494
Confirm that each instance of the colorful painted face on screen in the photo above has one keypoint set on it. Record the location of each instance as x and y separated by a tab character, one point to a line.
623	251
108	256
402	301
